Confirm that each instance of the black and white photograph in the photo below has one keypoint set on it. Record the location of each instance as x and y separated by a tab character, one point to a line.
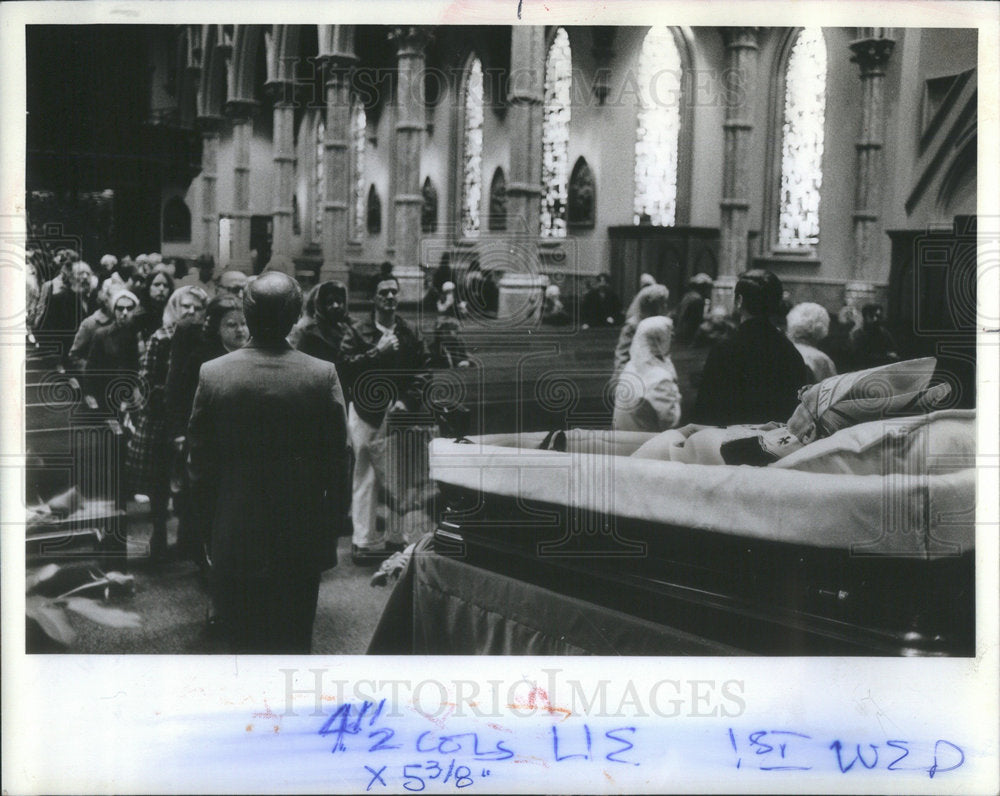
535	337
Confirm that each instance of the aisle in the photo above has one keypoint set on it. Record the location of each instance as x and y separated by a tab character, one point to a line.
171	600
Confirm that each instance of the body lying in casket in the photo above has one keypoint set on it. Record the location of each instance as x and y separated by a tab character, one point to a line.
859	543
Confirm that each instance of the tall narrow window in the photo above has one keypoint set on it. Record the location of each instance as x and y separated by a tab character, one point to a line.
472	149
429	209
802	142
498	202
319	180
658	130
359	129
555	136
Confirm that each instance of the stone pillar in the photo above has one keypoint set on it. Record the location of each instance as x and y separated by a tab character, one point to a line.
337	177
741	63
209	127
871	53
283	146
410	116
524	119
242	113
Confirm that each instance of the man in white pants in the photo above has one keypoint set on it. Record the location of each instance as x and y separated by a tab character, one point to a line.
383	356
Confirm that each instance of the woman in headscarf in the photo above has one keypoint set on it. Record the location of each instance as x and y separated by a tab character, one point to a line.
113	358
650	301
156	289
646	395
321	336
150	453
224	330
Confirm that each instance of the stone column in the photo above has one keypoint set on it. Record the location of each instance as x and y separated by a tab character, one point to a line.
338	166
209	127
526	97
871	53
242	113
741	64
410	116
283	145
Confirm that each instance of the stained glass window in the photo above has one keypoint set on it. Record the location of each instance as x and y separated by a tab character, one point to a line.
319	181
555	136
659	126
802	142
472	150
359	129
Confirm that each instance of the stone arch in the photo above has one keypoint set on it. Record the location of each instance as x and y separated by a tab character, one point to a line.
247	41
214	74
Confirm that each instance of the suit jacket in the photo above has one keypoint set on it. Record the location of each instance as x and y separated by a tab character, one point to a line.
753	377
268	461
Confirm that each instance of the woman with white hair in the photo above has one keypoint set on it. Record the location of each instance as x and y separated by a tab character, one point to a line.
150	449
646	396
808	324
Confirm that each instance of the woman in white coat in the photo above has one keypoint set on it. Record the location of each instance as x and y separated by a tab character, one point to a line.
647	397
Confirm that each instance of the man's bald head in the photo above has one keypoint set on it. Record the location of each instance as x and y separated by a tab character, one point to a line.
272	303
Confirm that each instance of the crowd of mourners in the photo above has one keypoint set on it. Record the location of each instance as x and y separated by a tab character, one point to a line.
759	355
136	332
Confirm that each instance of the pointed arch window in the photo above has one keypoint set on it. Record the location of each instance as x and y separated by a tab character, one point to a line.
802	138
582	196
319	178
429	209
359	130
472	149
660	79
498	202
555	136
373	212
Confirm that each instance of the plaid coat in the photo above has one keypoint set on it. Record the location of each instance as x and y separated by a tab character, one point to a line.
149	449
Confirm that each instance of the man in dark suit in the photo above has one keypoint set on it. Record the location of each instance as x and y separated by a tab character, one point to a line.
268	464
755	375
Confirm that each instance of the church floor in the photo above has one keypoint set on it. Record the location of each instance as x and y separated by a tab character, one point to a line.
172	601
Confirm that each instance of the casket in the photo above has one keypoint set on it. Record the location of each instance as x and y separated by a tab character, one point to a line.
756	560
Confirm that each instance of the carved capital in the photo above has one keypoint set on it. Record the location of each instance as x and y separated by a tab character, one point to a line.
741	38
242	110
280	91
872	55
410	39
209	125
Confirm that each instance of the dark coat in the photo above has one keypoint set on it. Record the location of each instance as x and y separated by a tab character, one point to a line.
752	377
268	462
149	453
369	371
112	372
189	350
598	306
57	315
323	341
